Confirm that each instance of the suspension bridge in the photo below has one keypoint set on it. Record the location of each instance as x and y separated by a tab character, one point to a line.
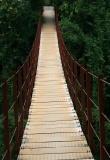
46	91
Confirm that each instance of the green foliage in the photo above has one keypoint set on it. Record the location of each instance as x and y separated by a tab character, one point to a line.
18	24
73	37
85	27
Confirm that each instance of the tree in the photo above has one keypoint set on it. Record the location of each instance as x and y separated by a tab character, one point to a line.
85	27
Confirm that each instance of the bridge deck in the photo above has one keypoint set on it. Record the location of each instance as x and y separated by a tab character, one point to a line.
53	130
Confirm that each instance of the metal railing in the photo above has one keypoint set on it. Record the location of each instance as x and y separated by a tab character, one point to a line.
20	87
80	81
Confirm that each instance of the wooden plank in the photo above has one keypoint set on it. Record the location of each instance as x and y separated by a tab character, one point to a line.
59	150
52	126
49	110
43	112
53	130
53	144
52	138
63	115
52	119
68	156
52	123
52	103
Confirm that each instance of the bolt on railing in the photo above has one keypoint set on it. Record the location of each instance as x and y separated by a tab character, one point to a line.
20	86
80	88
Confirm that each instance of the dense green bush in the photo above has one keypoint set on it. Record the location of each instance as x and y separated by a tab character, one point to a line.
18	24
85	28
89	22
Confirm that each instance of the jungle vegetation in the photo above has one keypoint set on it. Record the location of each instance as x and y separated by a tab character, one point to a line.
18	25
85	28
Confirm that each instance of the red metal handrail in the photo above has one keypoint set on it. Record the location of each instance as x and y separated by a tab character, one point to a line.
21	84
80	91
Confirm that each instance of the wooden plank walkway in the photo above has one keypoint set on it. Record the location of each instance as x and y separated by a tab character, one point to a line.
53	131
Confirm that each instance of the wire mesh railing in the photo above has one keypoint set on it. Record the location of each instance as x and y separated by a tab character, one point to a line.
15	95
80	83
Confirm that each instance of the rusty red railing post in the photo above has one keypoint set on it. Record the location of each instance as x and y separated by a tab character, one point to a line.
21	128
76	87
62	54
101	117
30	75
16	145
73	81
71	66
25	91
66	72
36	60
83	98
66	58
28	81
33	61
6	122
89	107
34	68
71	77
69	72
